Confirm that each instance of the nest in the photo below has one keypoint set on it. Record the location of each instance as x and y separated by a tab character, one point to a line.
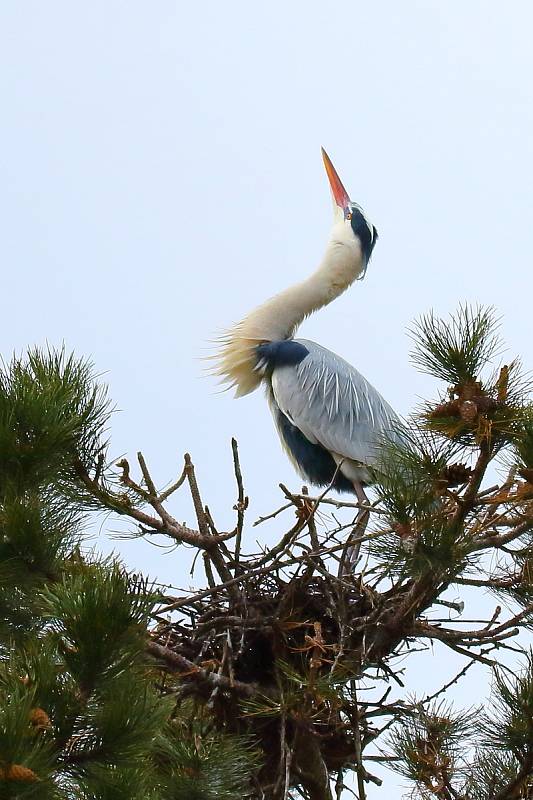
293	644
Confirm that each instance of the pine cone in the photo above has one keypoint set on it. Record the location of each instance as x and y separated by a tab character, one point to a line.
474	392
468	411
485	403
17	772
40	719
457	474
449	409
471	390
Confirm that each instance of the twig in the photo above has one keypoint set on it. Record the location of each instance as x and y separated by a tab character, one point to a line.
275	513
173	487
358	747
209	571
340	503
445	634
196	498
242	501
446	686
482	543
180	533
146	475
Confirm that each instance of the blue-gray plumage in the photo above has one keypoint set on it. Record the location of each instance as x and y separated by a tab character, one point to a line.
325	411
329	418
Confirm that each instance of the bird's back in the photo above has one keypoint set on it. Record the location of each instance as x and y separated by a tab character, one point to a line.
328	401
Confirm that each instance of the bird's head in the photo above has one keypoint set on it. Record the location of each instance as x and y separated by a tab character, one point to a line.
350	221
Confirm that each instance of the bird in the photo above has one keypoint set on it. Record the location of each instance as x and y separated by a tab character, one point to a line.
329	418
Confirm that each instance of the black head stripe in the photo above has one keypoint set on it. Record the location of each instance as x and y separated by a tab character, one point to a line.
365	232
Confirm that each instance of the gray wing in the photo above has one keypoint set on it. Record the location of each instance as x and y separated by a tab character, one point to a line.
333	404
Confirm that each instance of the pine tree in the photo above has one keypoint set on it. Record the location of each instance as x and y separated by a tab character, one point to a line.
282	676
82	711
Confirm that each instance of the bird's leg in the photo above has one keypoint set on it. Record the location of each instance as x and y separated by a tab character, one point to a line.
361	521
360	492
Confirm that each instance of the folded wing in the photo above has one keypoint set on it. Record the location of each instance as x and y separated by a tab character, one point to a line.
333	405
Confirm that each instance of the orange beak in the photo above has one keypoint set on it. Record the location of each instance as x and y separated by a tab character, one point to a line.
340	194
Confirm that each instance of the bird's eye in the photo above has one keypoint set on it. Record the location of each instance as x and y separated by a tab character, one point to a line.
347	215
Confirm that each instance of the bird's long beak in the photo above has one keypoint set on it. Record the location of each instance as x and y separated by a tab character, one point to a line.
340	195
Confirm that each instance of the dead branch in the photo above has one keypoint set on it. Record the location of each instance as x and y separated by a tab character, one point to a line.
282	644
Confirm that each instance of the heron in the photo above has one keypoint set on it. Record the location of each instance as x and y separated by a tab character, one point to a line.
329	418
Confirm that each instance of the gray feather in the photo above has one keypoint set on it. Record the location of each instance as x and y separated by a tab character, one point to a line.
333	404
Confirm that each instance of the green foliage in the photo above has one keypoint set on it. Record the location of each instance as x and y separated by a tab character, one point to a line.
51	415
115	783
26	759
419	468
494	410
298	694
118	726
493	407
430	744
509	726
85	714
431	547
523	441
23	521
211	767
37	535
491	772
37	665
412	475
455	350
409	473
81	714
100	618
51	411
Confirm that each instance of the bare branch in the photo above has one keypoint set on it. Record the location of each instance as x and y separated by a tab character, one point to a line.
191	671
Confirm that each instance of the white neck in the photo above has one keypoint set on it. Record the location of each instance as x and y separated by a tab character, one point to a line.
280	316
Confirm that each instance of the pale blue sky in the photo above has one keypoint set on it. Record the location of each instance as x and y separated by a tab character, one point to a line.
160	174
